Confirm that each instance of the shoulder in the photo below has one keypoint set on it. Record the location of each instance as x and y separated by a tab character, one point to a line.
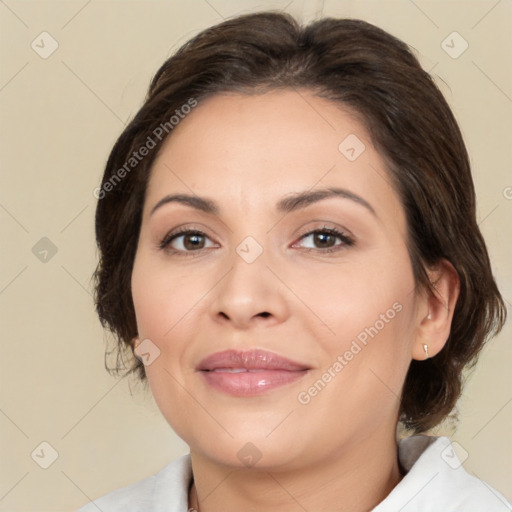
167	489
436	480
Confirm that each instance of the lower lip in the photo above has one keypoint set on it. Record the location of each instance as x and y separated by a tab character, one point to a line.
251	383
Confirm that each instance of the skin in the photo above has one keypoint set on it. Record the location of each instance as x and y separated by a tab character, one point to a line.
247	152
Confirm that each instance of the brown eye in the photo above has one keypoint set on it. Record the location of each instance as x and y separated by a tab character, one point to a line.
325	239
192	242
186	241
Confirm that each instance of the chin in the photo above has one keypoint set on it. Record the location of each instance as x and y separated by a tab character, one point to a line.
249	447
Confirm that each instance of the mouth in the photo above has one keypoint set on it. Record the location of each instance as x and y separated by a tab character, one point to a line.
249	373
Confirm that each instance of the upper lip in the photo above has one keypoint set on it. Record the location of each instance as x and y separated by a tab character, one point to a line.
249	359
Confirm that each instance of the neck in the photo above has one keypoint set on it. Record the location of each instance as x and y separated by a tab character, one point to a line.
355	480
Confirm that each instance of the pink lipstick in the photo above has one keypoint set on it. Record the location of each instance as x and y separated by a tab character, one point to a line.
249	373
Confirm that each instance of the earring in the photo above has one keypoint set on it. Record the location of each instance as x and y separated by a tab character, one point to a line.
425	348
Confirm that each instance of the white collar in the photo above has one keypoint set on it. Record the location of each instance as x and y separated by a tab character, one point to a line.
435	482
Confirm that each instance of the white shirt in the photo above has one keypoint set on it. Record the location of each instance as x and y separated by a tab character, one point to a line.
435	482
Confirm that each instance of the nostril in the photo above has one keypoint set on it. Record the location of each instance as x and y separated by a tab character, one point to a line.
264	314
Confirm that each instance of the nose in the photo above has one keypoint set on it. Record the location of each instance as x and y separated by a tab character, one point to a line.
250	294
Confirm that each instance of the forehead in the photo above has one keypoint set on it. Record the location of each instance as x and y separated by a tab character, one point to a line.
255	149
287	126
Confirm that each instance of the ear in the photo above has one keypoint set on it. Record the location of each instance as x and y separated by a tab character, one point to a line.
436	311
135	342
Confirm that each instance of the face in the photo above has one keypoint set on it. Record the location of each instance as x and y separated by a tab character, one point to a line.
274	296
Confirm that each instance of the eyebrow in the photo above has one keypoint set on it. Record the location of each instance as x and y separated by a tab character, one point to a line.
286	205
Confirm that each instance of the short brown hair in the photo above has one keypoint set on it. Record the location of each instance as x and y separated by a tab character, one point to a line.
375	75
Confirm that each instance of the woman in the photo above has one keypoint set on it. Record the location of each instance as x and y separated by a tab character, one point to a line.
288	245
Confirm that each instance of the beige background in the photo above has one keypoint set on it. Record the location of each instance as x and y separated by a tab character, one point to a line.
59	119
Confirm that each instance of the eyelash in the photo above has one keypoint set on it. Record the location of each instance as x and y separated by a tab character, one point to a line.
347	241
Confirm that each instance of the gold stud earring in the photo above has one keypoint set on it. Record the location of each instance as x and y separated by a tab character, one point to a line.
425	348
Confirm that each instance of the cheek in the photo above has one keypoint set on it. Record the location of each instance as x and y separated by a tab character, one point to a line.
163	297
366	356
361	297
164	302
369	310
